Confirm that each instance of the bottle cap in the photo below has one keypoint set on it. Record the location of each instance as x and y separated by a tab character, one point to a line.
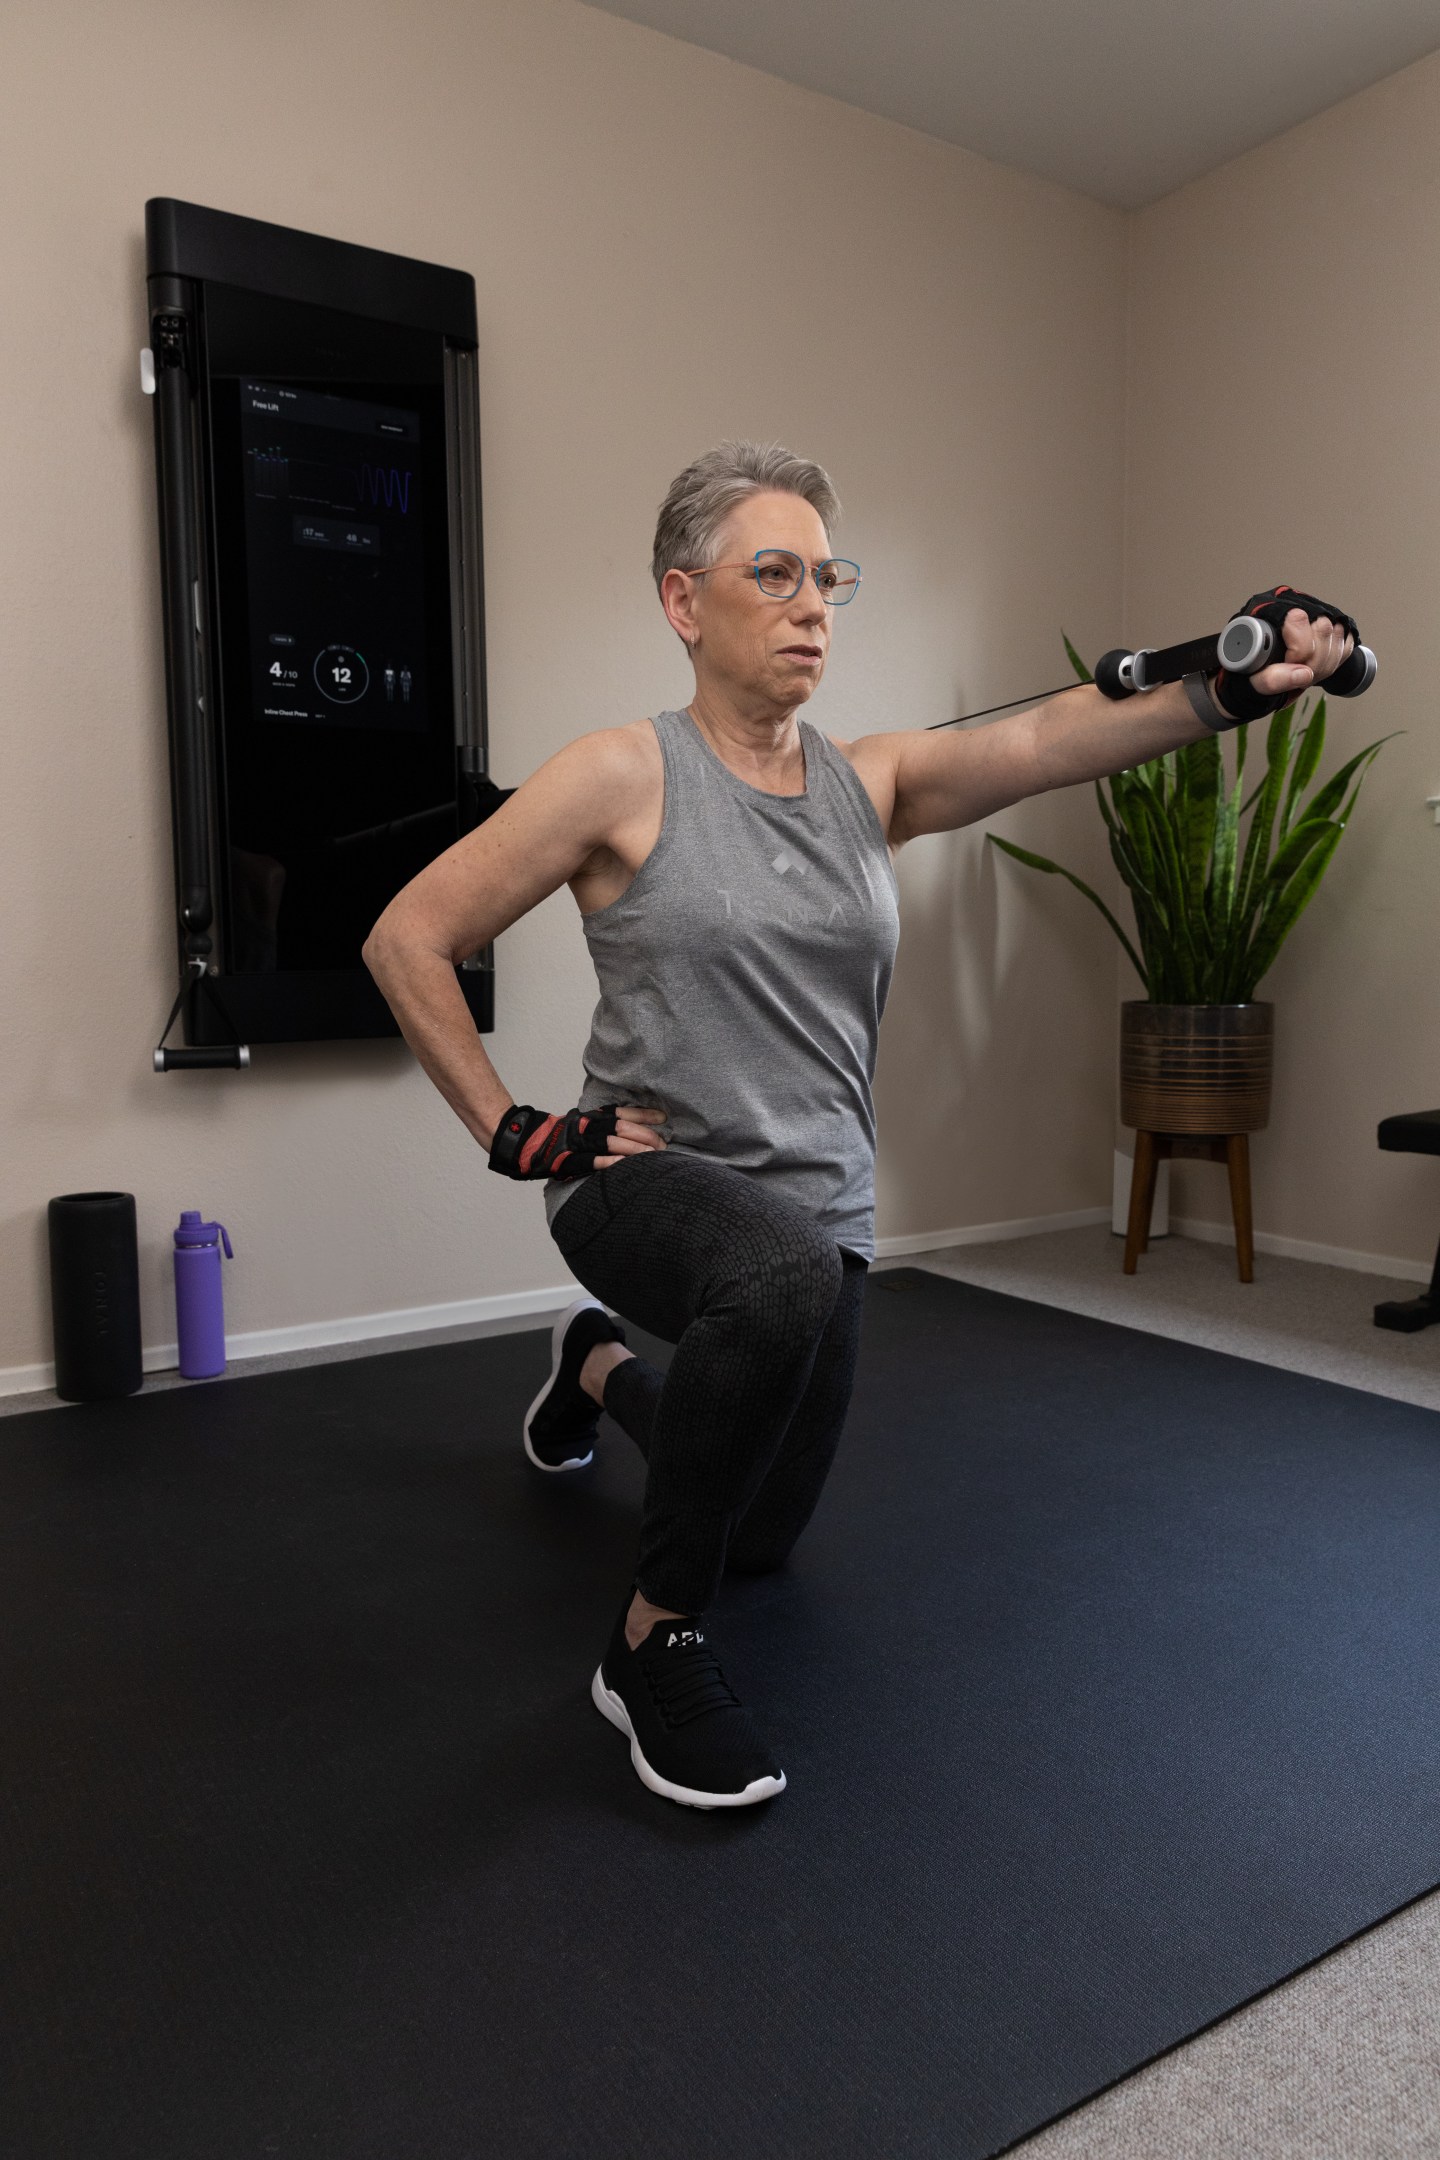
193	1231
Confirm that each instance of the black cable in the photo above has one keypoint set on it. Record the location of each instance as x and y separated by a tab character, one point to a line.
1037	698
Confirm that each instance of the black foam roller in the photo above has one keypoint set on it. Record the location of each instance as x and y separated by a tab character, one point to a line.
95	1295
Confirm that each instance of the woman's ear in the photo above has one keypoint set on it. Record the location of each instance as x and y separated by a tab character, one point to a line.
678	596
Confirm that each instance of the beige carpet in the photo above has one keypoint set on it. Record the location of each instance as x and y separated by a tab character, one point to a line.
1306	1318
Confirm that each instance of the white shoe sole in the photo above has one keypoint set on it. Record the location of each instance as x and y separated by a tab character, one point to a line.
557	1344
608	1703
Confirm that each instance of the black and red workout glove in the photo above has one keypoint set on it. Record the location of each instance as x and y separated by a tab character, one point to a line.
1236	694
535	1143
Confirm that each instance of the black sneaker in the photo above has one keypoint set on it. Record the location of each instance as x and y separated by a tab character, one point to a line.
690	1737
560	1424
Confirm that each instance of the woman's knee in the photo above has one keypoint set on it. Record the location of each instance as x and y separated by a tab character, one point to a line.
787	1286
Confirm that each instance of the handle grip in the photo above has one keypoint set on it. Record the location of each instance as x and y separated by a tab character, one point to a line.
1249	643
1354	675
216	1057
1245	645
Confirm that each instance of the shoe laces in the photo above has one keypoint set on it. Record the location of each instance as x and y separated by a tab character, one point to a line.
687	1683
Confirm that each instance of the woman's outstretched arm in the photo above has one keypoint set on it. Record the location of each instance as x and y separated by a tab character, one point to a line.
942	781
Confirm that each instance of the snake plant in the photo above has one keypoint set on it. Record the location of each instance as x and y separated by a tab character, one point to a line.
1212	906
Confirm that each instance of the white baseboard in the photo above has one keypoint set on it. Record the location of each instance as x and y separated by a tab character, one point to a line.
992	1233
25	1379
319	1334
409	1320
1294	1248
514	1305
534	1304
1213	1233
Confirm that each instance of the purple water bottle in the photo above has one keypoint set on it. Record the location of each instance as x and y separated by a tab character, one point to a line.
199	1302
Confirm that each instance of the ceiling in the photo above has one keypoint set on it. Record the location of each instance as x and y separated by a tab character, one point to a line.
1122	99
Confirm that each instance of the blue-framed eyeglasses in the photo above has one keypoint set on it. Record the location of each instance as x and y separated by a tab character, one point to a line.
780	573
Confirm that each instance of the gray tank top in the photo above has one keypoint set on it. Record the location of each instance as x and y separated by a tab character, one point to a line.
742	977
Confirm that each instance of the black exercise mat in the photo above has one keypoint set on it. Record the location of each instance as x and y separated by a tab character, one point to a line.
1105	1679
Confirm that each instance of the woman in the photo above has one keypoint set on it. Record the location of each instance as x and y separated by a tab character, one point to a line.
733	869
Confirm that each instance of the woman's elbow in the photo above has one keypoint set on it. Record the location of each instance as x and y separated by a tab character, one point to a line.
379	949
398	945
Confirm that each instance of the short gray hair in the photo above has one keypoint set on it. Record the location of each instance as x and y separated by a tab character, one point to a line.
699	501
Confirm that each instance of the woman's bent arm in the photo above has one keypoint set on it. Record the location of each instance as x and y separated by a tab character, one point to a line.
532	845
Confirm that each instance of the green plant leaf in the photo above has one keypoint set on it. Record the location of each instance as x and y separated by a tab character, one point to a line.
1203	777
1126	792
1327	800
1289	907
1170	871
1343	814
1213	902
1293	850
1222	874
1052	869
1172	935
1309	744
1151	926
1267	802
1122	854
1277	736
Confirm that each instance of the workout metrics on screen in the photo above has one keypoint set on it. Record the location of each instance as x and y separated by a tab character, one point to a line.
334	558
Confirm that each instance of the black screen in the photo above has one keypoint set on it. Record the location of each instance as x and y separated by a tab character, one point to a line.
331	601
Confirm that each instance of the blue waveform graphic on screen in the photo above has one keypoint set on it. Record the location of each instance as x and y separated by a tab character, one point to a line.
278	477
385	484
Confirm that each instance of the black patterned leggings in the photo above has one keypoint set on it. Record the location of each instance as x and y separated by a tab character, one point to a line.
764	1310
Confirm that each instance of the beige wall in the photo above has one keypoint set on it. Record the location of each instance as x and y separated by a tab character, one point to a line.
668	248
1291	430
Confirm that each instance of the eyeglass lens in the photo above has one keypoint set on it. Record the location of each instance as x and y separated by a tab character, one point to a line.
780	574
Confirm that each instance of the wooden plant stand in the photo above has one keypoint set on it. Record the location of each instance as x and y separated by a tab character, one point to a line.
1153	1148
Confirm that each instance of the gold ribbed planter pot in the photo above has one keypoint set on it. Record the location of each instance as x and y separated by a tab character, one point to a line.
1196	1068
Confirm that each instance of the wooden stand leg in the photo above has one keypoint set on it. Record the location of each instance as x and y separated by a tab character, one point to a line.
1142	1199
1237	1157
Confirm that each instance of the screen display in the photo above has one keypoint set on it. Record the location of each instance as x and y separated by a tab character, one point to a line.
331	605
333	519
